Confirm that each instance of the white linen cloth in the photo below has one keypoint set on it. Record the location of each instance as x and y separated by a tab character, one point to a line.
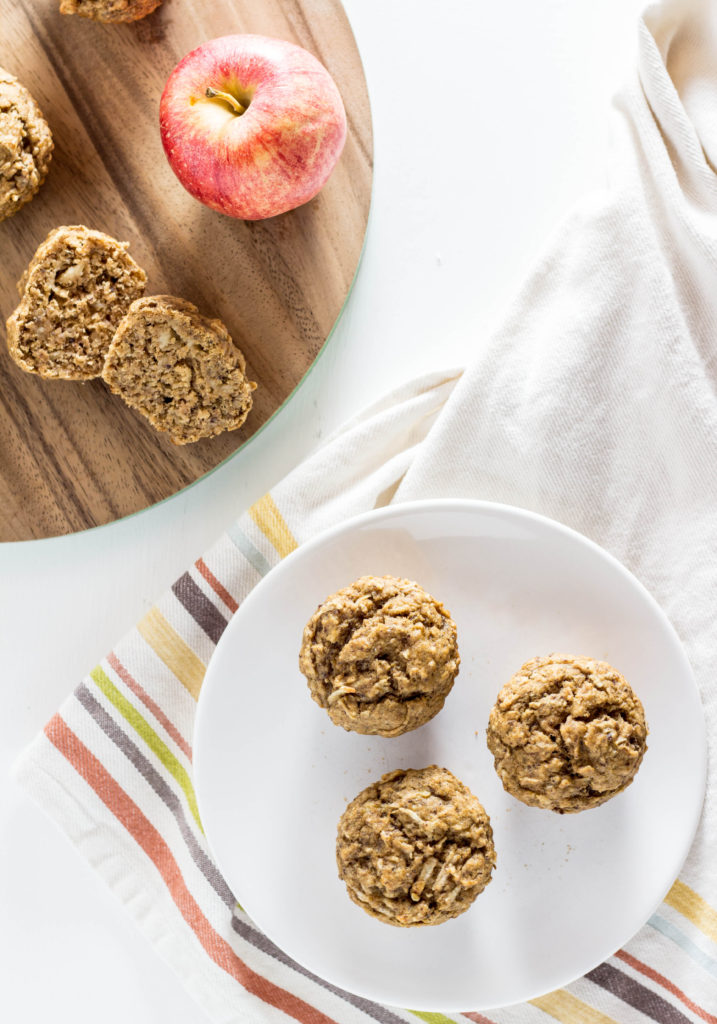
595	404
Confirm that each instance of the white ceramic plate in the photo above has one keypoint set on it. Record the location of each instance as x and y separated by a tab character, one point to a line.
274	775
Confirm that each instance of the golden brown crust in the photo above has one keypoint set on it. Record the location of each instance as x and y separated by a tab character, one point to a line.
110	10
25	146
380	656
566	733
75	291
415	848
179	369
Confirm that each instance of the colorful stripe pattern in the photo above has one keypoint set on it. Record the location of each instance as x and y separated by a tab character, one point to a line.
125	735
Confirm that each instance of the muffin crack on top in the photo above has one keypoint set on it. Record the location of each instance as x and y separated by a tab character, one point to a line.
567	733
380	656
415	848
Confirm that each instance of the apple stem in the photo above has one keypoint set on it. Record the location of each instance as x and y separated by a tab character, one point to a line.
227	97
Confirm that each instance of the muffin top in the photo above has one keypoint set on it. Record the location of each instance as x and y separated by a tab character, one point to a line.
380	656
415	848
566	733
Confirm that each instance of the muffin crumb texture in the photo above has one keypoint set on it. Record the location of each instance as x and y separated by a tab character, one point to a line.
179	369
380	656
110	10
74	293
25	146
567	733
415	848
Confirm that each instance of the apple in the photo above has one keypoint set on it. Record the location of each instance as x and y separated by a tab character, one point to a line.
252	126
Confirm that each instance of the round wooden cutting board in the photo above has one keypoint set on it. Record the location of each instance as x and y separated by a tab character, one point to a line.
73	456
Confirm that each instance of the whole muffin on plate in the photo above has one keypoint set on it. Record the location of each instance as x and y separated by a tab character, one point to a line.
415	848
380	656
566	733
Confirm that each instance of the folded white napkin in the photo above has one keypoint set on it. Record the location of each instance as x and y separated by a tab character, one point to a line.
594	404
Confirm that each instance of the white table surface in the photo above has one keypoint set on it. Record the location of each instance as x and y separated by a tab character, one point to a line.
490	121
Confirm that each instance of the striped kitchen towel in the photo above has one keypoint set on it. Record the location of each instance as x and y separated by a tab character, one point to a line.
595	404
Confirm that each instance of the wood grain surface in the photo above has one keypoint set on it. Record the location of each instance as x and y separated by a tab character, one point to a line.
72	456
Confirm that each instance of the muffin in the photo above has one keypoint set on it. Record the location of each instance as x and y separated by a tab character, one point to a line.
566	733
109	10
415	848
380	656
25	146
76	290
178	369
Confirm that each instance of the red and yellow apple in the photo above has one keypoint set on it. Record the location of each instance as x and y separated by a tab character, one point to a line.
252	126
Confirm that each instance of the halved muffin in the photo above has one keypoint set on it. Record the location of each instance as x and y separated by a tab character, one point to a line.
179	369
74	293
